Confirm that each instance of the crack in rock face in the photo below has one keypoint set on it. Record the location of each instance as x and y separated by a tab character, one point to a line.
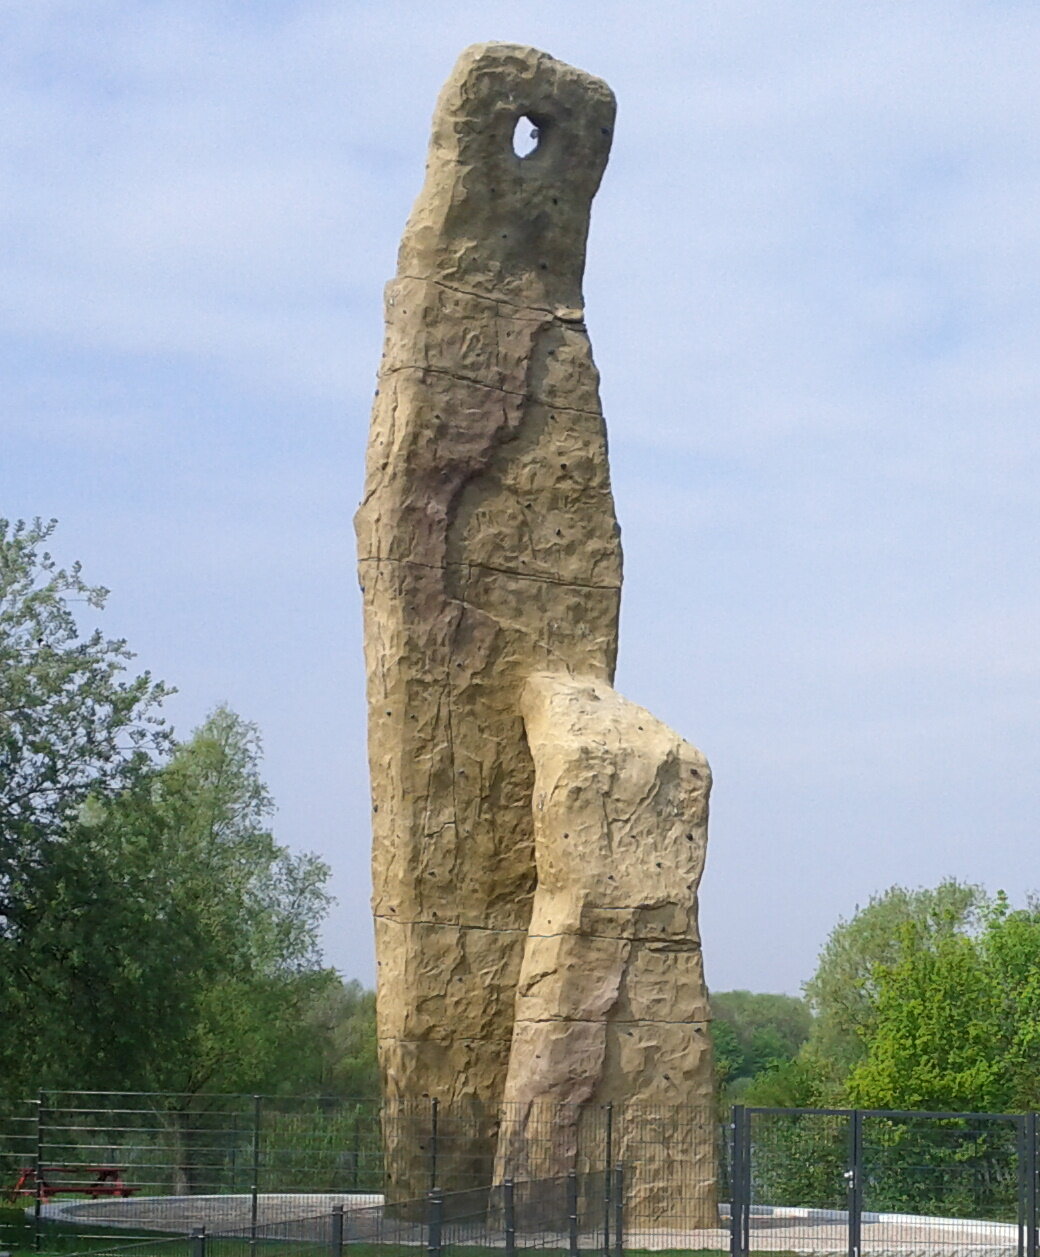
537	839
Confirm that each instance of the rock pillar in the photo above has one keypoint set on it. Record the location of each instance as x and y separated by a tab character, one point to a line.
489	555
611	1005
488	549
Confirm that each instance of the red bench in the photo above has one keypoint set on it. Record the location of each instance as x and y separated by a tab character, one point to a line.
77	1180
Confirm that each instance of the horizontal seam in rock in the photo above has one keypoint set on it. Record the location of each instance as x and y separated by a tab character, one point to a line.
453	925
455	1038
492	388
670	943
606	1019
545	580
480	296
484	567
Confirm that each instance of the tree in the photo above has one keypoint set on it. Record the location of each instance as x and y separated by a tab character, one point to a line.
153	935
933	1041
343	1019
239	914
72	723
843	991
792	1084
1011	945
956	1024
74	726
173	943
956	1028
927	1000
753	1032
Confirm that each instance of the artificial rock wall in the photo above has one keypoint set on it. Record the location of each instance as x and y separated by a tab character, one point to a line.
537	840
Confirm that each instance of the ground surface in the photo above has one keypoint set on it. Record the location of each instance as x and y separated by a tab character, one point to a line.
308	1217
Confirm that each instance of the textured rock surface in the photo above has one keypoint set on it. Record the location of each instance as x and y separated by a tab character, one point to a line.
488	554
488	549
611	1003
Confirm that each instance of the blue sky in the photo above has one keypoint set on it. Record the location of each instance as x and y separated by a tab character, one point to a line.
812	292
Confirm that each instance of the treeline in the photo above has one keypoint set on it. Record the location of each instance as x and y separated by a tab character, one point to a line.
153	934
925	999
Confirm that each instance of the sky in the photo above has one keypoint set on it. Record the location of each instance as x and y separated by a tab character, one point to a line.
812	291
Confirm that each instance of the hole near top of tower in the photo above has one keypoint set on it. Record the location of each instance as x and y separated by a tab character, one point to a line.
526	135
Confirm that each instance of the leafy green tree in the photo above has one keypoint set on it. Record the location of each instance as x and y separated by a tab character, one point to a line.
241	915
929	1000
727	1052
753	1032
934	1041
956	1028
72	723
153	935
74	726
789	1084
343	1062
1011	945
956	1022
843	991
173	943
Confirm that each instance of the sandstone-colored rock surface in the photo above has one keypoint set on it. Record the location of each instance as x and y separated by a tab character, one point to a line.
488	549
611	1004
490	563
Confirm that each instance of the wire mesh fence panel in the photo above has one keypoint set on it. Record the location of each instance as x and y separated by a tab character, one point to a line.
551	1215
942	1183
672	1175
17	1162
429	1145
17	1143
795	1189
105	1168
159	1143
897	1184
80	1164
319	1144
375	1225
152	1246
541	1142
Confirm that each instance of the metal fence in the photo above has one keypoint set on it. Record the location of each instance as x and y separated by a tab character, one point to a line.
159	1175
86	1166
858	1182
556	1216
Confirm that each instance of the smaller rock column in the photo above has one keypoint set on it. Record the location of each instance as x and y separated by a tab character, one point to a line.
611	1004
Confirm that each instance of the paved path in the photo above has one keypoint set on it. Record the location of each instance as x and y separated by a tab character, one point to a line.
808	1233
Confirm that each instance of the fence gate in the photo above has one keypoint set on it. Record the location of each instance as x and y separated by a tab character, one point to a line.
852	1182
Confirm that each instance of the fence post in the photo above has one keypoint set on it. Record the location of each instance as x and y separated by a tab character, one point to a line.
736	1184
607	1160
336	1244
434	1106
1031	1172
509	1211
254	1190
435	1223
619	1210
198	1241
1021	1123
855	1178
38	1202
572	1212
